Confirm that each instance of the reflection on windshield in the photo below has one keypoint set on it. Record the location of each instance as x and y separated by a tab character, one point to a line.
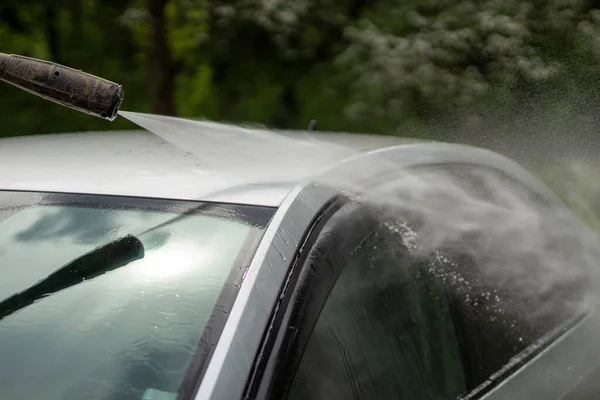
132	329
102	259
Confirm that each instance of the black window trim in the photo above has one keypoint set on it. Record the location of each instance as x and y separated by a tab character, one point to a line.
303	297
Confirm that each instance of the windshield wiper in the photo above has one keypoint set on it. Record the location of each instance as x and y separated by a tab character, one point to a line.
102	259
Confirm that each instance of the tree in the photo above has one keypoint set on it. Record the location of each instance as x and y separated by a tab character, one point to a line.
162	70
170	34
379	66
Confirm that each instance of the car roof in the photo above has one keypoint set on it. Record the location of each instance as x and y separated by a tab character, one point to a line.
230	164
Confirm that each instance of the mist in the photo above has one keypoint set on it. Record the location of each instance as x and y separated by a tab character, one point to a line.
536	262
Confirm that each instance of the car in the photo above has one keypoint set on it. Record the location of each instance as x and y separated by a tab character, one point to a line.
306	266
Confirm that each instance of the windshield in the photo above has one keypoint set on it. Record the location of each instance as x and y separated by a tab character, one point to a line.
142	330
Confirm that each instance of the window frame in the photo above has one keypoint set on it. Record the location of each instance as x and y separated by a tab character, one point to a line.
258	218
295	317
299	302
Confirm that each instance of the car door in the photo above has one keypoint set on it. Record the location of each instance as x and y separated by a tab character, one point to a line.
369	319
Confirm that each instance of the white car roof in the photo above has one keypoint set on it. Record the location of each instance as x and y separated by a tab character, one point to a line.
224	163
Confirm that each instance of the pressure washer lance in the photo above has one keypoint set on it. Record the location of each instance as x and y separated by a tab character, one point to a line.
71	88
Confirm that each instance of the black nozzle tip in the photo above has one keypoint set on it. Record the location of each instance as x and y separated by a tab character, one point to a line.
117	99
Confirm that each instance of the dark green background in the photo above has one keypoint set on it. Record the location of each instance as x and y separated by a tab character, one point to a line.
427	68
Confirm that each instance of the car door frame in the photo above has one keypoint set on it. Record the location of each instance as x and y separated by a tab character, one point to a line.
292	325
329	245
237	357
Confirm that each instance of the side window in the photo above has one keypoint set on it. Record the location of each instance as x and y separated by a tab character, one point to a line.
385	332
452	319
501	255
505	283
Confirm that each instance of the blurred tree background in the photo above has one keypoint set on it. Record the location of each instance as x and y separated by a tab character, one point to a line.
435	68
520	77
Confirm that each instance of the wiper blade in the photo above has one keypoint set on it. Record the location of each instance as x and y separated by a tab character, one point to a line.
102	259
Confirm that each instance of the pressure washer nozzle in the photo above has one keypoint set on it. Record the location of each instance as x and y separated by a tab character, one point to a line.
72	88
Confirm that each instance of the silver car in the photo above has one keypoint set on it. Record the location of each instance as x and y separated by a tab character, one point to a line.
128	270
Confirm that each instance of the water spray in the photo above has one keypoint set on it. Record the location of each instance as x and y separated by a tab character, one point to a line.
63	85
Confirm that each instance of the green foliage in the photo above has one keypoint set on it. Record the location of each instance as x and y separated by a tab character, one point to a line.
384	66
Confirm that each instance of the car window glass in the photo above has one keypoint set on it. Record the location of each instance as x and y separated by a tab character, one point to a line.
141	327
455	317
504	274
385	332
